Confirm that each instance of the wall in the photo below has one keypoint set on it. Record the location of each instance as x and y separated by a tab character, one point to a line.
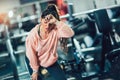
104	3
6	5
79	5
84	5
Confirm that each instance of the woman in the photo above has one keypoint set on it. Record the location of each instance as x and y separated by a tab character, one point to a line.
41	45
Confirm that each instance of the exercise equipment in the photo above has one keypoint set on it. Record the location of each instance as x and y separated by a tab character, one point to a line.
12	55
109	44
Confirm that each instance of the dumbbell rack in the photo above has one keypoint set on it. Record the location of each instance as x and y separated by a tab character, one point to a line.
11	55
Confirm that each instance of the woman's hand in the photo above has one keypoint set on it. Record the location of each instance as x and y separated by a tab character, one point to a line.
51	22
34	76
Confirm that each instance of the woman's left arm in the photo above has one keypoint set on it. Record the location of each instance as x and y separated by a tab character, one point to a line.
64	31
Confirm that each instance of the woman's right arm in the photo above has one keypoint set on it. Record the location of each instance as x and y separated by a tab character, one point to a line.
32	57
31	53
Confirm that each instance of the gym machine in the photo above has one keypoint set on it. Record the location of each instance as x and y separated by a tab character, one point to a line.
82	59
109	47
12	55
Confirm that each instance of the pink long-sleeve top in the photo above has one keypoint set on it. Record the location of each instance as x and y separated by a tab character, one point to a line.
44	52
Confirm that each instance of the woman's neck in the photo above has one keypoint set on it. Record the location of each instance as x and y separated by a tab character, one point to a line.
44	29
43	32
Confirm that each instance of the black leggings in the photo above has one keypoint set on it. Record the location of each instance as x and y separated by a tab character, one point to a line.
55	71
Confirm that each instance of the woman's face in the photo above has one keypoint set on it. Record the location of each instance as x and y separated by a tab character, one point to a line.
44	22
48	19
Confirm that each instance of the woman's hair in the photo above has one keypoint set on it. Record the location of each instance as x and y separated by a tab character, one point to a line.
45	13
52	9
